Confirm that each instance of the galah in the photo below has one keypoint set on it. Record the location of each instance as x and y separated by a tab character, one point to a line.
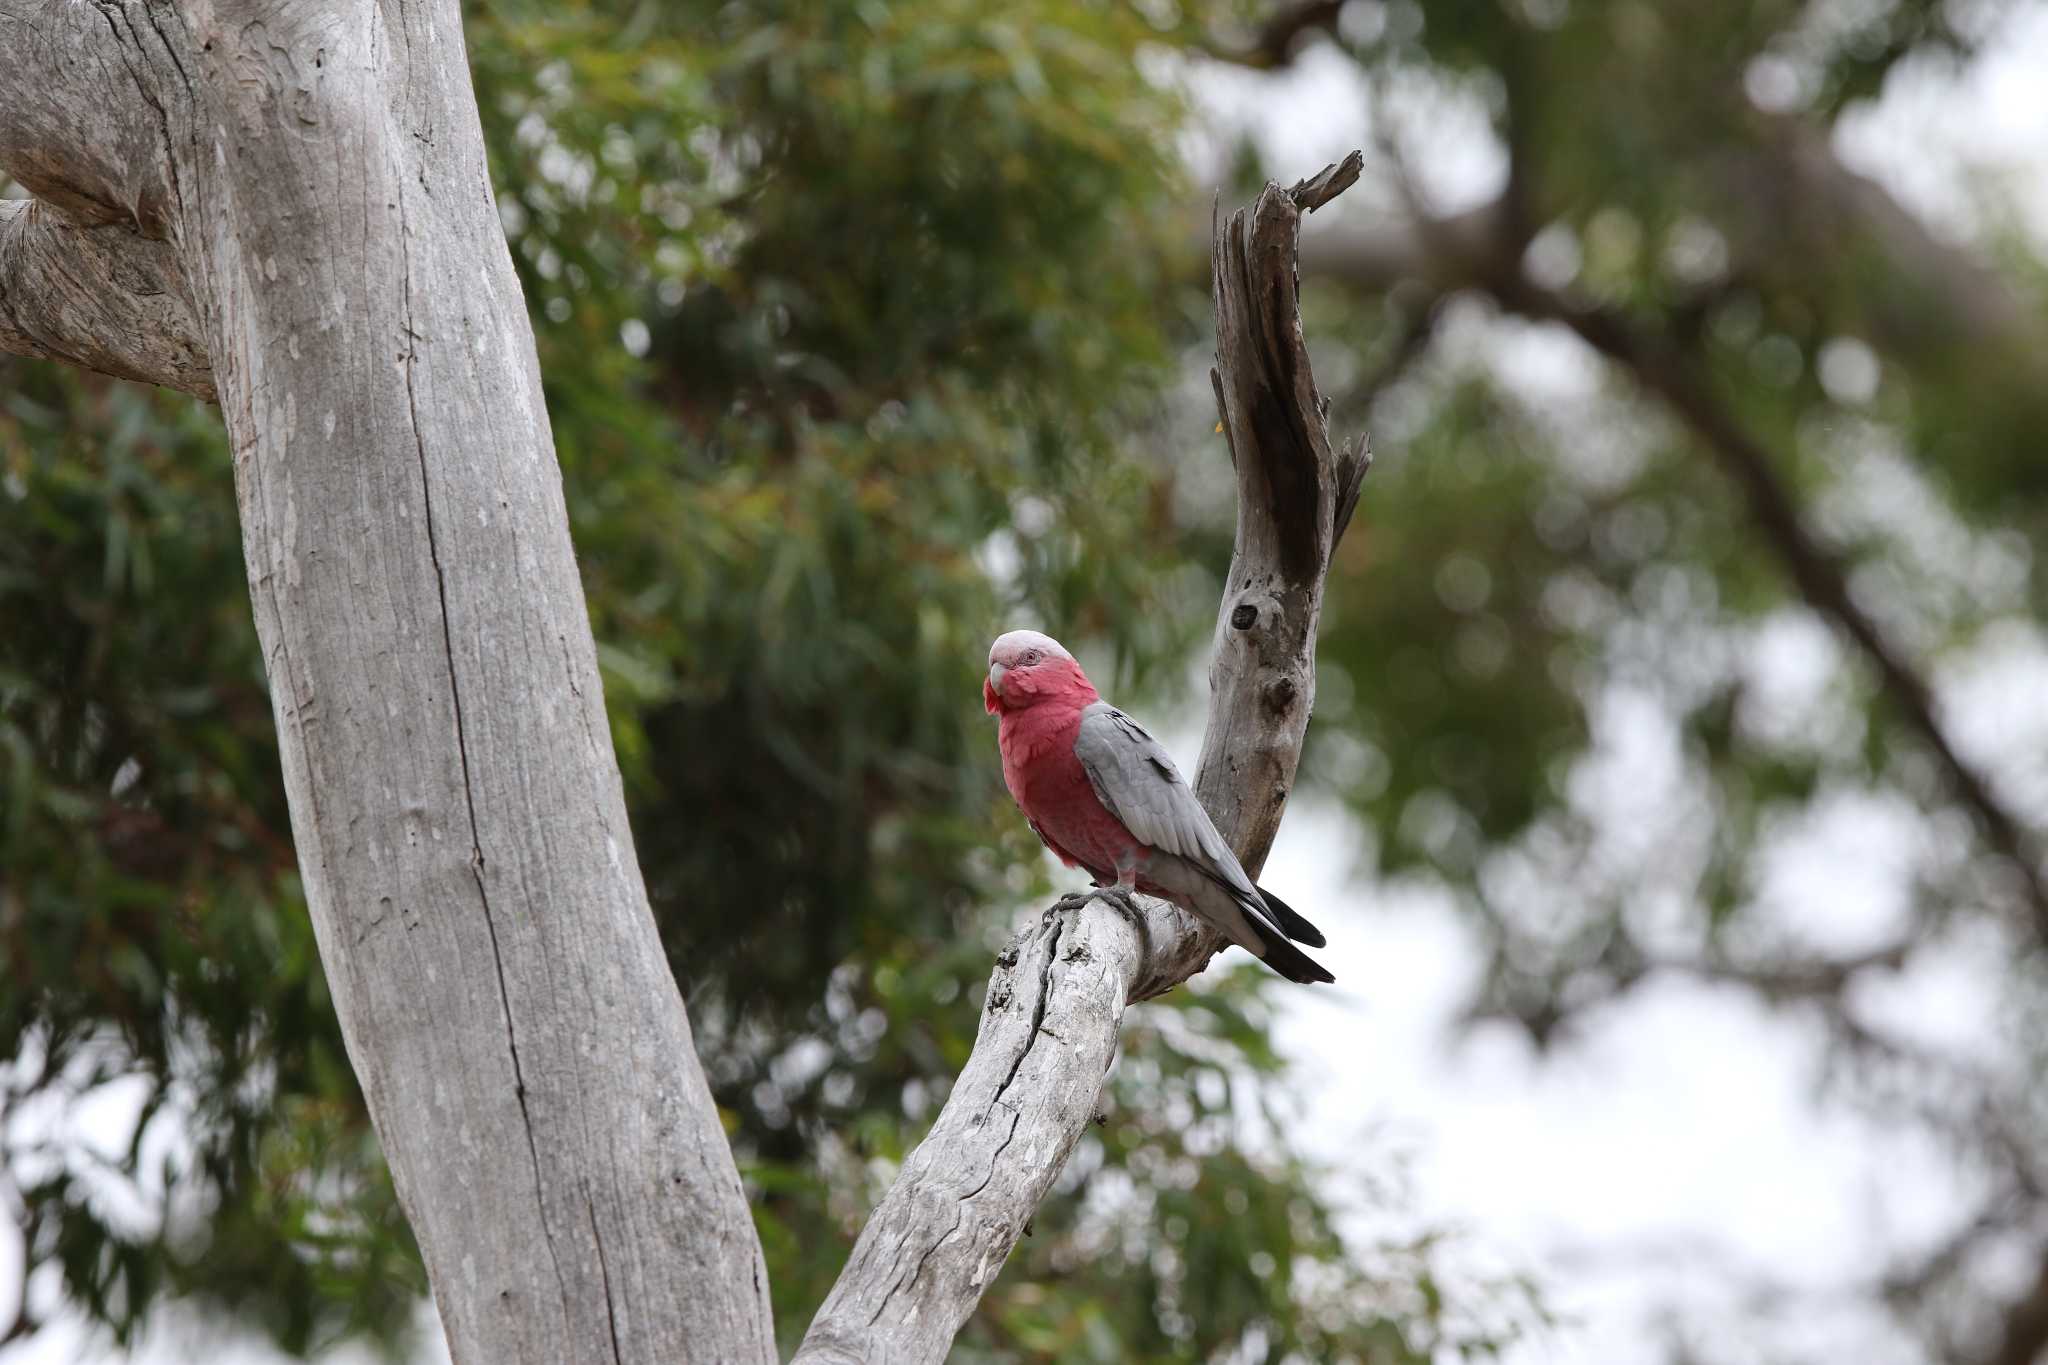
1105	797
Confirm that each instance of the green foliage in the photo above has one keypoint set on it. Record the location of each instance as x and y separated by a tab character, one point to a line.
152	934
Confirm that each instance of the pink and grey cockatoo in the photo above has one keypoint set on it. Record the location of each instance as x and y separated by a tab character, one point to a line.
1105	797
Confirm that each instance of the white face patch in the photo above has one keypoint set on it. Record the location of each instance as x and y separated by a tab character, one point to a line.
1013	645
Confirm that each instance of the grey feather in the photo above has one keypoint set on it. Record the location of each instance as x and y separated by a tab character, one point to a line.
1135	779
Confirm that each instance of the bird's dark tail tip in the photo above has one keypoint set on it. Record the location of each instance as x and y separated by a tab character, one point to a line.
1286	959
1297	928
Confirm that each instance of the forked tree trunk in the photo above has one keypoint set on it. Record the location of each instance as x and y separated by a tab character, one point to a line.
285	207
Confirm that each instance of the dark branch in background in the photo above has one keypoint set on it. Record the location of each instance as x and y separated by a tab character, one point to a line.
1493	262
21	1324
1906	1286
1418	330
1667	372
1518	210
2026	1324
1780	981
99	296
1782	198
1483	250
1056	1000
1927	303
1922	301
1977	1111
1272	45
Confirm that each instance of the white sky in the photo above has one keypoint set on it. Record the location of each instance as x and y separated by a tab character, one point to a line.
1676	1143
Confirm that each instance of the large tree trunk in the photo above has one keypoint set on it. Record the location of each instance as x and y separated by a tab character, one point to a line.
315	171
286	207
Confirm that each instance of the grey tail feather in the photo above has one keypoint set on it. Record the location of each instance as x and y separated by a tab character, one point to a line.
1298	929
1286	959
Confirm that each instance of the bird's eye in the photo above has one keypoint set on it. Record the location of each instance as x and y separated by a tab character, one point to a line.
1030	658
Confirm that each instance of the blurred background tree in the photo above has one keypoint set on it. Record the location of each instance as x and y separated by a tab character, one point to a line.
1703	558
871	328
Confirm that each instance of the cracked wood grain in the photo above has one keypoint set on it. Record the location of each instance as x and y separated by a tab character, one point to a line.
1056	1000
99	296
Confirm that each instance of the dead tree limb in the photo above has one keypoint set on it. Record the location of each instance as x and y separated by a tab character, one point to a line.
1056	1000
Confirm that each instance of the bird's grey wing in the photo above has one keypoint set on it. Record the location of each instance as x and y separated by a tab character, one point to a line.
1135	779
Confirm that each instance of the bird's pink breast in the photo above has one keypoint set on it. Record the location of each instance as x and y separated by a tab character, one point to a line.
1053	790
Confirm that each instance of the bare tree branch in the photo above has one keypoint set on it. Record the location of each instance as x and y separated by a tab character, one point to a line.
99	297
1049	1028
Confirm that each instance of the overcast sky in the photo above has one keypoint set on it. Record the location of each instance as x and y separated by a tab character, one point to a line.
1675	1147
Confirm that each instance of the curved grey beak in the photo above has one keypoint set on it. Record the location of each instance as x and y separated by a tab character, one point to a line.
995	676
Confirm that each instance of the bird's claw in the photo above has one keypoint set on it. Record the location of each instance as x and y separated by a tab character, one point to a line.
1113	896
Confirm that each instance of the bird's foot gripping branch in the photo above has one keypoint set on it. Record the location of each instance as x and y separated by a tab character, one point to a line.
1056	1000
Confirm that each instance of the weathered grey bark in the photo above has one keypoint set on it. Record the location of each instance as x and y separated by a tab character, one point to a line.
99	297
301	185
1049	1025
